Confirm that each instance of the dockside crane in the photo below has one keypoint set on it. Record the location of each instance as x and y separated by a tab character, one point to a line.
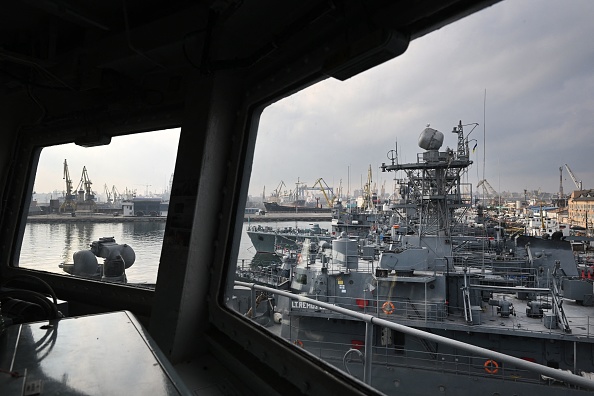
323	188
117	197
490	190
108	194
84	186
146	193
487	186
277	192
368	201
578	183
69	204
86	197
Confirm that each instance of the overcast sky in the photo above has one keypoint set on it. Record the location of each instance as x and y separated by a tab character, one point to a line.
535	61
129	162
532	60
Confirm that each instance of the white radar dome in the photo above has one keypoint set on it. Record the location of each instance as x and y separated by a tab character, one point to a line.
430	139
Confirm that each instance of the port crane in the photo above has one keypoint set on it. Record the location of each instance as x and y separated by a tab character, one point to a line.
277	192
117	197
108	194
578	183
489	189
84	187
323	188
69	204
368	202
487	186
146	191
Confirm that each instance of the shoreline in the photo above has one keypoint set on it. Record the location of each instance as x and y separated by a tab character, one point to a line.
99	218
96	218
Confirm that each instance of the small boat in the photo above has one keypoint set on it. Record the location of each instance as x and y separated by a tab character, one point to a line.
267	239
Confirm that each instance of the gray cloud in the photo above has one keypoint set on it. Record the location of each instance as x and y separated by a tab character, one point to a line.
132	162
533	58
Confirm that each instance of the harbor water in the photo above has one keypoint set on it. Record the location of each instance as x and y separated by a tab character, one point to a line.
46	245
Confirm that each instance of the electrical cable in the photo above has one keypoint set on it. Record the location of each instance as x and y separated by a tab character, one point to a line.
28	301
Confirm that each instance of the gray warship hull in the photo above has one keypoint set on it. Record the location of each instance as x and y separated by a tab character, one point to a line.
520	306
269	240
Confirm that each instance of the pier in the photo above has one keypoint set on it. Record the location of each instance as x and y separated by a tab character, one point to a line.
93	218
107	218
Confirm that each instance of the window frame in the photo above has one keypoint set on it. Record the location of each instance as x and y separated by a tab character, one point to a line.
78	291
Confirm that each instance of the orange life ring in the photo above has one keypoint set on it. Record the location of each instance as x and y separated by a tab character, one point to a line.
491	366
388	307
299	343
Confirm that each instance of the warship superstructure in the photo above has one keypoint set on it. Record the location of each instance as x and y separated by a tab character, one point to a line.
520	296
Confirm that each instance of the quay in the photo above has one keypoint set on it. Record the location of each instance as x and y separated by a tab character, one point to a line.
106	218
93	218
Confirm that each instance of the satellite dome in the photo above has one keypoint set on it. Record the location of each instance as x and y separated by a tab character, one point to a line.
430	139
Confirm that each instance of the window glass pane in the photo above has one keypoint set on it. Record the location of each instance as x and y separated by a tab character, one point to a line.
100	212
327	146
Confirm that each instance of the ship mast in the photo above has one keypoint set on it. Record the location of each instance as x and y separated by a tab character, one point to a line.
434	182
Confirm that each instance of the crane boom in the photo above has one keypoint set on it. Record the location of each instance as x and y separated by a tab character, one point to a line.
578	183
68	180
115	194
108	194
278	190
487	186
329	201
85	185
367	190
69	204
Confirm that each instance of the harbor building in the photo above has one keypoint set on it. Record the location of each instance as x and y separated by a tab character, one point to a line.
581	208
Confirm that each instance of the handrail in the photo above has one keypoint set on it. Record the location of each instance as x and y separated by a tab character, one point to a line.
373	320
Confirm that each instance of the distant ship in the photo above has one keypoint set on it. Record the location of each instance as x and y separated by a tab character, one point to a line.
299	206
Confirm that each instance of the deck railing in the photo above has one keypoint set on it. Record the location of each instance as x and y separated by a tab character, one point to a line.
457	364
537	370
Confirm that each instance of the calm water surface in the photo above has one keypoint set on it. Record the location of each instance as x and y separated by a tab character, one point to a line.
46	245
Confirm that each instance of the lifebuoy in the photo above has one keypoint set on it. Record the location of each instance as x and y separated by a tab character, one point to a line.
388	307
491	366
299	343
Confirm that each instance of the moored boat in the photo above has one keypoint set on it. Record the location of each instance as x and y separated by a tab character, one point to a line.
521	297
266	239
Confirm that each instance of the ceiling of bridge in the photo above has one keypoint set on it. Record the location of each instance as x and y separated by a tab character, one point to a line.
78	51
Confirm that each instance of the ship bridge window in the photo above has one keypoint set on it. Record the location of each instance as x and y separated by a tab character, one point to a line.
100	212
318	158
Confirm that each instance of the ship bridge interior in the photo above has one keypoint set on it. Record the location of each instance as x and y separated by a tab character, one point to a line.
88	72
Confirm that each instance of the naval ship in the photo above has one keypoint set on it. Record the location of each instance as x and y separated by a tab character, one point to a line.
521	300
84	73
